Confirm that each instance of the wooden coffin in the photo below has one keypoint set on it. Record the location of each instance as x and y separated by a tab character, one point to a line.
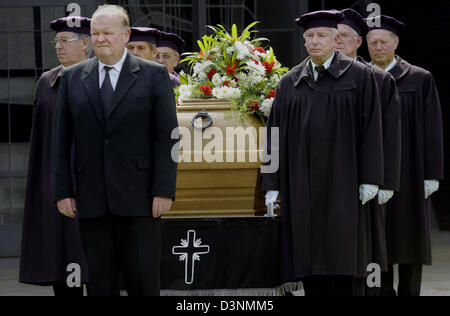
224	187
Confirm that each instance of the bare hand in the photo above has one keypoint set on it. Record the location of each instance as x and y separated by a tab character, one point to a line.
161	206
67	207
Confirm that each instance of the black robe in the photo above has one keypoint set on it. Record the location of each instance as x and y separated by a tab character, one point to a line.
50	241
408	215
391	110
330	144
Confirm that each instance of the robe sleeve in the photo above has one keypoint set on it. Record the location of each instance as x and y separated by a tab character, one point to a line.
61	146
271	180
391	134
371	169
433	132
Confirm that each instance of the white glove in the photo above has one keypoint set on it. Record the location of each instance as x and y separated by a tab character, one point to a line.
384	196
431	186
271	197
367	192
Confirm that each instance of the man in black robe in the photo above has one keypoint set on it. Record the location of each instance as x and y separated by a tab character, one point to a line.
51	241
142	42
351	32
408	215
170	47
328	114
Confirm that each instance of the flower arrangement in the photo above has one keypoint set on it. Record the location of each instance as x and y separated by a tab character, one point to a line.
235	67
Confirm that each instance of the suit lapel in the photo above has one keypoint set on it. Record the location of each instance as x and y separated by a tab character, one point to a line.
126	80
91	84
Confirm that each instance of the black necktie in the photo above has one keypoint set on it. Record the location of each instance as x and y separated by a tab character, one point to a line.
320	70
107	92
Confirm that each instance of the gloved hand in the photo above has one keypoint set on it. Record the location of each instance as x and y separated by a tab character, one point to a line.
431	186
271	197
367	192
384	196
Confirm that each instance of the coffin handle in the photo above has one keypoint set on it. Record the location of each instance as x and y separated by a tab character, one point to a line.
204	115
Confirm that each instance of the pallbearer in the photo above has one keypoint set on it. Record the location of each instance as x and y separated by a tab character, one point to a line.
170	47
51	241
328	113
408	215
352	30
143	42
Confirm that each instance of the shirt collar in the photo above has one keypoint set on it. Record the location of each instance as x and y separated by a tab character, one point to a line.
391	65
326	64
118	66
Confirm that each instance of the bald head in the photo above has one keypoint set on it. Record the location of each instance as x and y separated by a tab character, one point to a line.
110	33
114	9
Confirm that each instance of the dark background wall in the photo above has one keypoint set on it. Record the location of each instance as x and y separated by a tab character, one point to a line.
25	52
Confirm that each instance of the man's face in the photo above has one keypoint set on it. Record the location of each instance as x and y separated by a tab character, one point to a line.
382	46
168	57
109	37
70	49
141	49
348	42
319	42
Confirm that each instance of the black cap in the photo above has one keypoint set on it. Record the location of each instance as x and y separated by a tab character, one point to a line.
355	21
386	23
75	24
328	18
171	40
144	34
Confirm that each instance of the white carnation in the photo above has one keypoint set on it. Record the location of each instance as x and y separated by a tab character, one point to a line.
243	51
226	93
199	68
231	50
259	54
186	92
218	80
266	107
258	68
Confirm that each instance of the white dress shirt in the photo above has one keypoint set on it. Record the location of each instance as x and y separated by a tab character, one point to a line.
388	68
113	73
326	64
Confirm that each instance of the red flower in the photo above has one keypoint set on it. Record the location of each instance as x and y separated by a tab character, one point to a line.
272	94
235	79
207	90
211	73
260	49
255	61
253	105
226	84
231	69
268	66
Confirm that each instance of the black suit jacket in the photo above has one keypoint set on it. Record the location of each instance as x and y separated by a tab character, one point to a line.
121	161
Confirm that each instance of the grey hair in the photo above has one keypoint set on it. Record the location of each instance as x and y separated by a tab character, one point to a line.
395	36
152	45
88	49
335	31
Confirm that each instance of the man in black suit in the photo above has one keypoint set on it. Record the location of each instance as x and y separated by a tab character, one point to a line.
120	111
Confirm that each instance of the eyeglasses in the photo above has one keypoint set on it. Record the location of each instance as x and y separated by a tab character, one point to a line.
164	57
63	41
346	36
